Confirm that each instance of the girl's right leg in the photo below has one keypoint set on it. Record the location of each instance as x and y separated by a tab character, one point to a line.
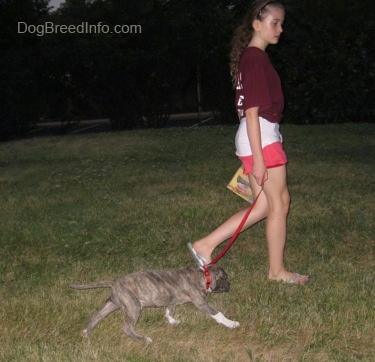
205	246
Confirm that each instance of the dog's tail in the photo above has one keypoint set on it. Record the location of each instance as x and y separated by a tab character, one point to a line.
103	284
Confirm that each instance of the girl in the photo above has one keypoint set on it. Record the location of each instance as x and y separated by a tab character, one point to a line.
259	103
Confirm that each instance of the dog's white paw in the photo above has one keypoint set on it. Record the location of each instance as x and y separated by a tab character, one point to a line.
148	339
85	333
220	318
233	324
173	321
170	319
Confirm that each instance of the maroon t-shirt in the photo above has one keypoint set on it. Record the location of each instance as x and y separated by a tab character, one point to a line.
258	85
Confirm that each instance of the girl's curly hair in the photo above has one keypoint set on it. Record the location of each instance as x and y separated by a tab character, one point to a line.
244	33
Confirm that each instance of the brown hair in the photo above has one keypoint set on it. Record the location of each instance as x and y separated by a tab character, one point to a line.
244	33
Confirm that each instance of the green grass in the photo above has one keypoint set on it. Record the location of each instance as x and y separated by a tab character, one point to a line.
86	208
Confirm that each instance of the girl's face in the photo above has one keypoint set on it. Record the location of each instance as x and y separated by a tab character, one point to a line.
268	30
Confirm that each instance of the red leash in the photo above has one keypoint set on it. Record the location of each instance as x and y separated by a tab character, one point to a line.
236	233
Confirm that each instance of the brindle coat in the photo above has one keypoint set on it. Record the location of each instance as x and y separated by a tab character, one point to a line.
163	288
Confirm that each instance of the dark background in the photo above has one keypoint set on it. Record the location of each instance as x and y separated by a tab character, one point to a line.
325	59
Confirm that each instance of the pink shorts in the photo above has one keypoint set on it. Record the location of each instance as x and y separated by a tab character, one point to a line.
273	154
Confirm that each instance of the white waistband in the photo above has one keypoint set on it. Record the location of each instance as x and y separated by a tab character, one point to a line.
270	133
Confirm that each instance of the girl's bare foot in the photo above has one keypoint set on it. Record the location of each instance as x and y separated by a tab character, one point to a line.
291	278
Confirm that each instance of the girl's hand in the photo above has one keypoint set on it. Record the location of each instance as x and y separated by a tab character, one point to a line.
253	131
260	173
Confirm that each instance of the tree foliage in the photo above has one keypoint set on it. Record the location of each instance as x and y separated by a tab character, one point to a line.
20	66
325	60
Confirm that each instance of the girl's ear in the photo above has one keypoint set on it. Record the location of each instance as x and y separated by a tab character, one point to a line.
256	24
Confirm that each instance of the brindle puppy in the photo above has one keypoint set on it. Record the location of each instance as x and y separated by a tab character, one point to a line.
164	288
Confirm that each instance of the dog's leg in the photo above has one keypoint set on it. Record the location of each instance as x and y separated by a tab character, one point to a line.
169	313
218	316
132	309
108	308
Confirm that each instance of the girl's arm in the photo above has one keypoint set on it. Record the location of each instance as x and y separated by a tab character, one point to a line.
253	131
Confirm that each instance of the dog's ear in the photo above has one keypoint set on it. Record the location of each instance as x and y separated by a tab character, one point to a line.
219	279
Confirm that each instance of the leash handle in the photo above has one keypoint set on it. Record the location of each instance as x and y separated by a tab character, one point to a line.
238	230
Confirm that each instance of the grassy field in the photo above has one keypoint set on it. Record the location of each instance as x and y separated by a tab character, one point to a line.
78	209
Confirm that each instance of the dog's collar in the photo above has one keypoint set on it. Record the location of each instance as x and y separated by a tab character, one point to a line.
208	278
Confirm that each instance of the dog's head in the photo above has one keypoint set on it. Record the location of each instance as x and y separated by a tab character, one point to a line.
219	279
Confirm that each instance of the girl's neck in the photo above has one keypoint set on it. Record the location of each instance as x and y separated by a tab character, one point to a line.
258	43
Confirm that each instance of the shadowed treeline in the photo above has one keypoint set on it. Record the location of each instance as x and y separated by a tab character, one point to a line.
137	62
